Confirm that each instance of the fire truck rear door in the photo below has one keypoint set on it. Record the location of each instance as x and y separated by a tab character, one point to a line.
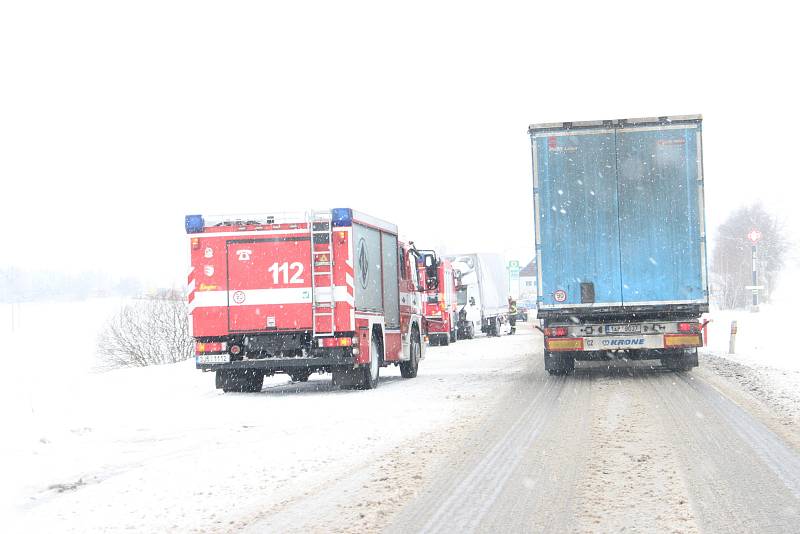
269	283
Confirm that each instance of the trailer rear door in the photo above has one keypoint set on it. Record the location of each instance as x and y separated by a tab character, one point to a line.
576	218
660	224
269	283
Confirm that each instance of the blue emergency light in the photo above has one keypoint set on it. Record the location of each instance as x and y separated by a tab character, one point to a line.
340	217
194	224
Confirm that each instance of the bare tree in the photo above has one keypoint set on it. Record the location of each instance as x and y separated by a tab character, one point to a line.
149	331
731	263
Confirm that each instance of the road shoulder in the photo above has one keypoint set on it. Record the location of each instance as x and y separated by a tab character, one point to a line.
756	393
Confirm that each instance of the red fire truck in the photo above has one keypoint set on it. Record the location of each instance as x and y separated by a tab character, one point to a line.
440	303
329	291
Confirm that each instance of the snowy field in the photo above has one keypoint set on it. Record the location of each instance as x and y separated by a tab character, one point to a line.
159	449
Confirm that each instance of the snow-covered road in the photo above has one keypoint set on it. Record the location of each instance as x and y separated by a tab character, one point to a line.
624	447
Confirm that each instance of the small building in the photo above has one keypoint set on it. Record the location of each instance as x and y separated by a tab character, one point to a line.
527	281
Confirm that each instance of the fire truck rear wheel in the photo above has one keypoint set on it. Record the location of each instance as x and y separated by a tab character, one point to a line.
300	375
444	339
240	381
409	369
372	372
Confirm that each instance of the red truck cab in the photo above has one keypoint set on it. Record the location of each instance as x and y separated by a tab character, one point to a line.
440	299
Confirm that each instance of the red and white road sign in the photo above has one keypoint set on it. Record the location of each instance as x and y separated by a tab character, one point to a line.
754	235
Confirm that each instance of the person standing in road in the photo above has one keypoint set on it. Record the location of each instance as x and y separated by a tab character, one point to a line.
512	314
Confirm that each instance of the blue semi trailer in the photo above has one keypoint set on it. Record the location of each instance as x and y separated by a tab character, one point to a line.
620	240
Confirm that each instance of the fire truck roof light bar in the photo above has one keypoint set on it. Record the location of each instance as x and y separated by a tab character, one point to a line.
198	222
194	224
342	217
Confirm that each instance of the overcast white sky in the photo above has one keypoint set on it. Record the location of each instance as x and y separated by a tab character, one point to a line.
118	118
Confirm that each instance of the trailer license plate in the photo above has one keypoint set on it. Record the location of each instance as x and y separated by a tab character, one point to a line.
623	329
213	358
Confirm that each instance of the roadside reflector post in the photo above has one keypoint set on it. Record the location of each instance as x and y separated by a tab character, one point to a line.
754	236
704	328
732	346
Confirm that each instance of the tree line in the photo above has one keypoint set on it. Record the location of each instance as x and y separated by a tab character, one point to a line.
731	262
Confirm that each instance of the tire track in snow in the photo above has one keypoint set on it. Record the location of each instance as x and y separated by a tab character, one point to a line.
472	496
724	454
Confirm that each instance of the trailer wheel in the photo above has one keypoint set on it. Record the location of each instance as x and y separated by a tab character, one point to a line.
491	328
467	332
409	369
372	372
558	363
681	361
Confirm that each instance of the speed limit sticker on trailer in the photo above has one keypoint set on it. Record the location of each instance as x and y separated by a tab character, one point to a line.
560	295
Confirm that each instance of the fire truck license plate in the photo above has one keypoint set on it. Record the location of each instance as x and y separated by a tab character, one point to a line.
623	329
213	358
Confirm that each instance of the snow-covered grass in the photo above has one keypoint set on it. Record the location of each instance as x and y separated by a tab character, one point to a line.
160	449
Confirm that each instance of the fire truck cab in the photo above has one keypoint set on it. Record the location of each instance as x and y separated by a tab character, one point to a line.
324	291
440	303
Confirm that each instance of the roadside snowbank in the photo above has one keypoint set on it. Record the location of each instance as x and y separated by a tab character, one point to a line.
766	361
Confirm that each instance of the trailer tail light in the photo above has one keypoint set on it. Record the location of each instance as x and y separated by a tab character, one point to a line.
688	327
337	342
682	340
573	343
205	348
558	331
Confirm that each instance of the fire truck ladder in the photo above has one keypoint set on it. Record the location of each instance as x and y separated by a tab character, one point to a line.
322	302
